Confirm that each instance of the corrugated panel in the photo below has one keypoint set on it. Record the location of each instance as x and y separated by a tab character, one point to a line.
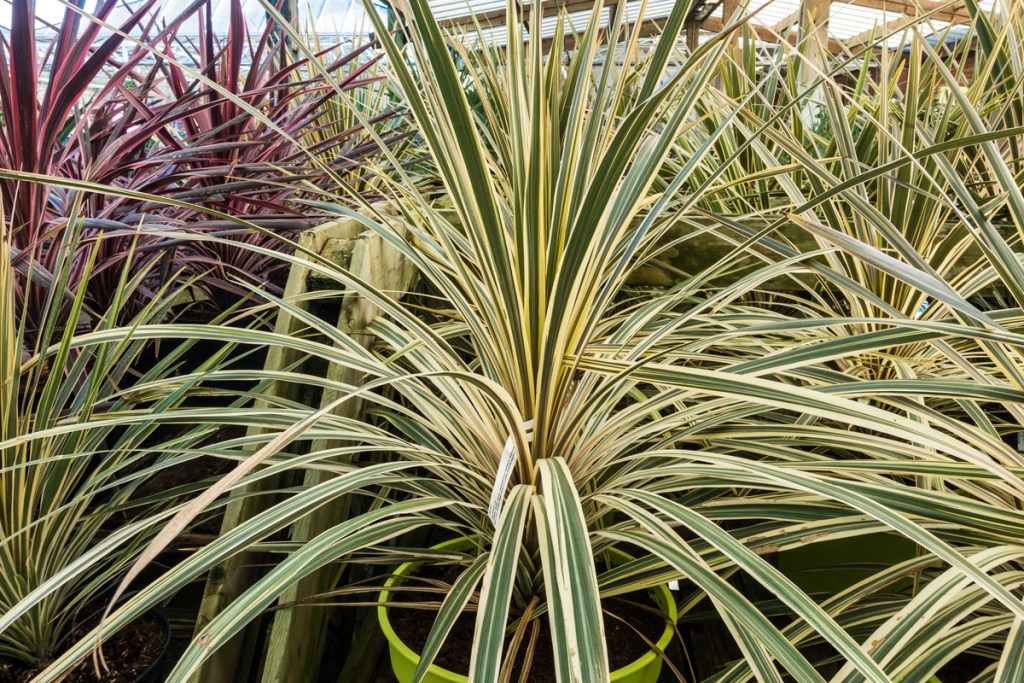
774	11
450	9
576	21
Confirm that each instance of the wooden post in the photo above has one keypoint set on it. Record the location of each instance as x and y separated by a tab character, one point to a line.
692	35
729	9
813	41
730	13
613	16
295	644
229	580
334	241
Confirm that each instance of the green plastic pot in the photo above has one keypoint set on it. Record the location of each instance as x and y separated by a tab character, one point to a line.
829	567
824	567
646	669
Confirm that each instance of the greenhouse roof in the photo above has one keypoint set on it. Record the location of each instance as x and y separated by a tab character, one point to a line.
850	22
326	17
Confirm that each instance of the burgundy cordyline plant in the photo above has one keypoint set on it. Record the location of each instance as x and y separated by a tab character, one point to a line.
151	110
48	99
239	164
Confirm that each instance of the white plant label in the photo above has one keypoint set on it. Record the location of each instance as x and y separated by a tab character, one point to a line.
509	457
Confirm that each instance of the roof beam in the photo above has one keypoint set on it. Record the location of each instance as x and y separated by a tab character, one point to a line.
548	8
782	31
786	23
692	30
940	10
648	27
765	33
954	13
878	32
729	12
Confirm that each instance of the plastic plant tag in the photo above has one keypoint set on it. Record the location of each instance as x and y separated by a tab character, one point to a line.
922	309
506	466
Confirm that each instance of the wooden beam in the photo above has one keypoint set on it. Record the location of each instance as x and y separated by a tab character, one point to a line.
729	12
954	13
692	30
909	10
765	33
784	25
878	32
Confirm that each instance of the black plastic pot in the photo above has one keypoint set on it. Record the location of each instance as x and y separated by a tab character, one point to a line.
154	672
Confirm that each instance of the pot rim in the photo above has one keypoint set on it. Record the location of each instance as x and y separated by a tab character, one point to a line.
406	568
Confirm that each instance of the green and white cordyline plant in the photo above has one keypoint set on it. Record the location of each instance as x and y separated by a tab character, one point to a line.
86	424
697	429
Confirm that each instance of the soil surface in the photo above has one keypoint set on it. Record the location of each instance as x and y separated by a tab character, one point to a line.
128	653
626	617
963	668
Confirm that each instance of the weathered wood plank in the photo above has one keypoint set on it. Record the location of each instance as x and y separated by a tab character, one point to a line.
297	633
229	580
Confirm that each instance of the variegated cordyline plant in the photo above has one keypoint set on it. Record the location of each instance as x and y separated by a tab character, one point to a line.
85	429
698	428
